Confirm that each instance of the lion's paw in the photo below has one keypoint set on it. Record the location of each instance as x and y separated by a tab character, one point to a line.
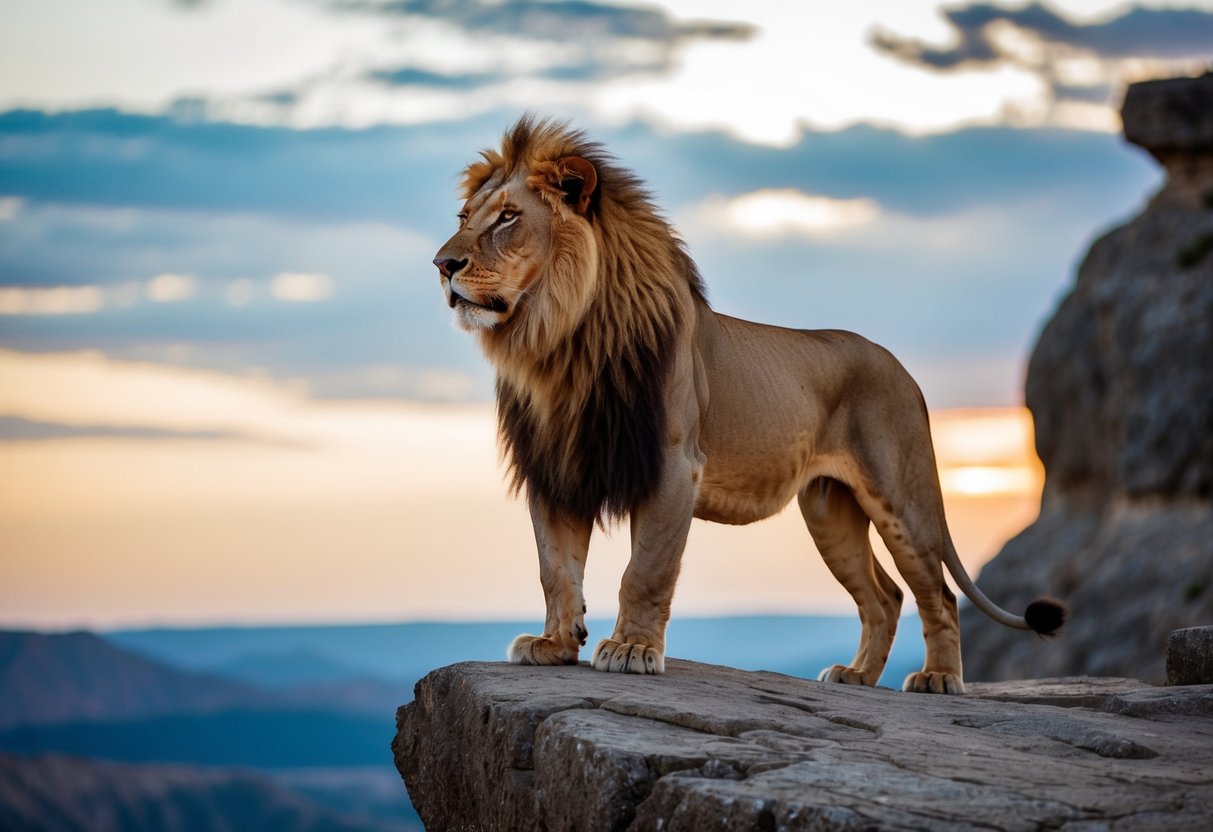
618	657
541	650
933	681
843	675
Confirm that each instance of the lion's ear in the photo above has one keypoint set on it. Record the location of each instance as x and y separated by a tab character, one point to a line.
578	179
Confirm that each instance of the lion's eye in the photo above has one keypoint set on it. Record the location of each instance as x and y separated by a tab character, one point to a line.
507	216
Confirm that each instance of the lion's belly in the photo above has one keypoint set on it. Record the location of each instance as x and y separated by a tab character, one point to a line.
740	491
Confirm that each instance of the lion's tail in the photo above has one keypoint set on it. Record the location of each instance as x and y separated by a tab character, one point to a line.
1045	615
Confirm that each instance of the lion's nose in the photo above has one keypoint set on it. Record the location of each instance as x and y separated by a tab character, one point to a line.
448	266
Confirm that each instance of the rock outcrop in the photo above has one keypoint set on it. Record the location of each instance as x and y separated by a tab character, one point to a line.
499	746
1121	389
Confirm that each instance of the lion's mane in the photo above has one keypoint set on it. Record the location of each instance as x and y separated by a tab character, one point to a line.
582	365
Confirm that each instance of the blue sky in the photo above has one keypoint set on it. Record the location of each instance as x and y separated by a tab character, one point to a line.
178	145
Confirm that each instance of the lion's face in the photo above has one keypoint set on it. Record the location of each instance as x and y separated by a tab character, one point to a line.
519	239
492	261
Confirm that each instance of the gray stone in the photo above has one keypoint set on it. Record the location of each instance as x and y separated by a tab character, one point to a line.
1190	656
1170	115
1065	692
1188	700
1120	386
497	746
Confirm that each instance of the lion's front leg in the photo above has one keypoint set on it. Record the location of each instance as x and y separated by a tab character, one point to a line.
563	543
659	535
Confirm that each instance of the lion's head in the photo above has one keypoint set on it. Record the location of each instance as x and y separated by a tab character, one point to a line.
524	258
576	289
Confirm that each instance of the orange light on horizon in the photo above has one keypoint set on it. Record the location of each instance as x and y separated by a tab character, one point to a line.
987	452
259	503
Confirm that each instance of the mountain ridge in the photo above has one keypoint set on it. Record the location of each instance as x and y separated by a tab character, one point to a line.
47	678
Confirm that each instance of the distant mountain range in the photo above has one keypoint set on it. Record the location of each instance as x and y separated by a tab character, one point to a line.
64	794
82	677
400	654
262	738
99	737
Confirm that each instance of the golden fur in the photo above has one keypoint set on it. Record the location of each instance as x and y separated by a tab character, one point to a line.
620	392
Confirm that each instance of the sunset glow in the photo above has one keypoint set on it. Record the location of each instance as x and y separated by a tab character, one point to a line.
984	453
162	494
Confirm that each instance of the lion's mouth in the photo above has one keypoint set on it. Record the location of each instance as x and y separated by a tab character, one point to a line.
493	303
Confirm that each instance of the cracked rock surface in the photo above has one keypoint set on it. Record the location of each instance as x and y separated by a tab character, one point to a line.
498	746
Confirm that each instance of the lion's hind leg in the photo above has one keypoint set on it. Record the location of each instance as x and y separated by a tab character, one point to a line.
914	531
840	529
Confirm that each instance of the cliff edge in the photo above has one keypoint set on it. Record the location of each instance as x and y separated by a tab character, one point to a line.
1120	386
506	747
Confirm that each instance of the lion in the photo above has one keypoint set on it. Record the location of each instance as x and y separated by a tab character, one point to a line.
621	393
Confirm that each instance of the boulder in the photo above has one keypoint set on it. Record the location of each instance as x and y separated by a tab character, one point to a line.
1120	386
1190	656
498	746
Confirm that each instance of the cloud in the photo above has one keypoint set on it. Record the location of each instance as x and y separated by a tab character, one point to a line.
983	36
410	76
105	157
405	176
780	212
561	20
16	429
57	300
597	65
572	42
300	287
1078	62
88	391
170	288
78	394
10	206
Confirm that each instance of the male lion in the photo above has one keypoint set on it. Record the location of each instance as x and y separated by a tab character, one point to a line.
620	392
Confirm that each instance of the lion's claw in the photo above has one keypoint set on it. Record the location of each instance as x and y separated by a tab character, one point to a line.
843	675
934	681
620	657
526	649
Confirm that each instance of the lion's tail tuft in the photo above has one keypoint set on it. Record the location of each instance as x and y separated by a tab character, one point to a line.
1046	615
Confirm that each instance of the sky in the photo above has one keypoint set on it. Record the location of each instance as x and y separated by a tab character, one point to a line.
230	390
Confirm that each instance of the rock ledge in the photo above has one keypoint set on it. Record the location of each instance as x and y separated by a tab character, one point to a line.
498	746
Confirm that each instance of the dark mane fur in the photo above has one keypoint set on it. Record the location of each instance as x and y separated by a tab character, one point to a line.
617	444
584	427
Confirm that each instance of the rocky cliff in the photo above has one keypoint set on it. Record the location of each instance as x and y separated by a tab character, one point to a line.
1121	389
499	746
